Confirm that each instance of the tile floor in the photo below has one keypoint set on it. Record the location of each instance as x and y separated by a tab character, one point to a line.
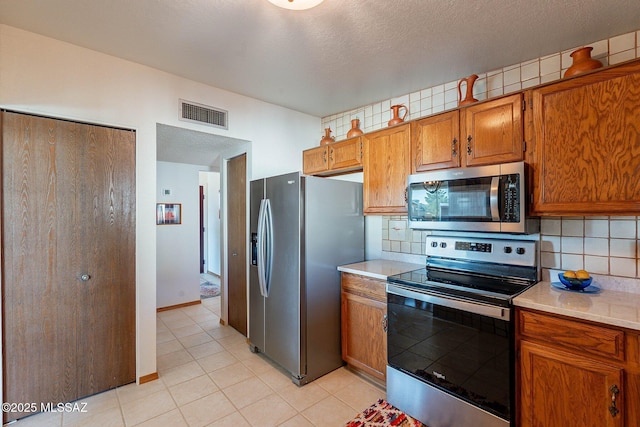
208	377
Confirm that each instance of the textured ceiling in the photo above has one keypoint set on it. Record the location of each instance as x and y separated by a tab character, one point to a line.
335	57
338	56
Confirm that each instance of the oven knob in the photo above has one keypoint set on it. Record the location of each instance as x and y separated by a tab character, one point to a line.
507	249
520	251
443	245
434	244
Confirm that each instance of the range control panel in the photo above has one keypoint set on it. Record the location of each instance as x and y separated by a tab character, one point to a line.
503	251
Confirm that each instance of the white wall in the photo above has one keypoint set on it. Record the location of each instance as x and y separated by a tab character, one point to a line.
212	225
45	76
178	245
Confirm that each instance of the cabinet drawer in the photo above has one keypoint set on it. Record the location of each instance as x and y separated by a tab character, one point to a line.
573	335
364	286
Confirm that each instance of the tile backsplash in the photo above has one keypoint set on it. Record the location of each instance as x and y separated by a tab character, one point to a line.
604	246
490	84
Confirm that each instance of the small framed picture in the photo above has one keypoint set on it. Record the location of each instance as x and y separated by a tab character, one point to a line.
168	213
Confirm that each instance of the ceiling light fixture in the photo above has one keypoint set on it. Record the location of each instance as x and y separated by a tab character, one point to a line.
296	4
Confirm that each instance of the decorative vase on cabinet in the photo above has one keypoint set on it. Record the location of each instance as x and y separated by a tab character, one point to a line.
327	138
468	99
355	129
582	61
395	109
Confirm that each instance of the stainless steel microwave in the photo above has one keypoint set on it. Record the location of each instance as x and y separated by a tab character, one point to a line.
485	199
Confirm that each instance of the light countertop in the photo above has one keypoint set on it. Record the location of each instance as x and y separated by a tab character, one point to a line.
379	268
612	307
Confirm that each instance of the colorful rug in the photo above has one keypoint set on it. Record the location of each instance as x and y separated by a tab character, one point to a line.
208	290
383	414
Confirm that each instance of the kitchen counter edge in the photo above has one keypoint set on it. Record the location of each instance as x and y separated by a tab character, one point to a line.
379	268
609	307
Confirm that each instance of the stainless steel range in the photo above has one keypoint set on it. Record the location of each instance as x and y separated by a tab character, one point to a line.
450	337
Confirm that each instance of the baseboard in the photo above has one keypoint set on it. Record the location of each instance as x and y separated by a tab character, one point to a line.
172	307
148	378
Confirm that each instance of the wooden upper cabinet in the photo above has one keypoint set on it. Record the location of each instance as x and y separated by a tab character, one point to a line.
386	163
315	161
346	155
333	159
587	144
435	142
492	131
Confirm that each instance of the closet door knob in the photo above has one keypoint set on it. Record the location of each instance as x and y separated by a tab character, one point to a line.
85	277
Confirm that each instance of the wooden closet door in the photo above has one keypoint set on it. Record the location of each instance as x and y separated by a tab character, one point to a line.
68	210
106	312
237	235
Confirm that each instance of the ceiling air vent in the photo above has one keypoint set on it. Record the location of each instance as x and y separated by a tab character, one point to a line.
203	114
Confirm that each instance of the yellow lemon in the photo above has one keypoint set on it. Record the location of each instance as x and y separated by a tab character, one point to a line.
570	274
582	274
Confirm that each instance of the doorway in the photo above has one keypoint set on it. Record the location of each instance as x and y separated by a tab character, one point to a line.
213	152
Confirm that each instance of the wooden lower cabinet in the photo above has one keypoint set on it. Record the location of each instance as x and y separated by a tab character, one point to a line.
575	374
363	327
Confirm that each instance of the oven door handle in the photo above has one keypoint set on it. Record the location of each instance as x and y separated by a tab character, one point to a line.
496	312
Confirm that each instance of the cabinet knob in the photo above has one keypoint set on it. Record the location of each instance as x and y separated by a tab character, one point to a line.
85	277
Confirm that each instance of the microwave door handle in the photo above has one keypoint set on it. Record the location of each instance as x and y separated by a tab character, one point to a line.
493	198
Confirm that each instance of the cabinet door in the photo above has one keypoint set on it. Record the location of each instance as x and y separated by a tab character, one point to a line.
315	160
364	339
346	155
435	142
386	163
587	144
493	131
564	389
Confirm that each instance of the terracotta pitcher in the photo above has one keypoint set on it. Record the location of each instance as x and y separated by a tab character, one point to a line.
355	128
468	99
396	114
327	138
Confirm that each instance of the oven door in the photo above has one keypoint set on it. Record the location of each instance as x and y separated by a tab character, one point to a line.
462	349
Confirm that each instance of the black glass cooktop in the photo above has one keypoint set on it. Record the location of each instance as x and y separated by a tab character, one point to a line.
471	286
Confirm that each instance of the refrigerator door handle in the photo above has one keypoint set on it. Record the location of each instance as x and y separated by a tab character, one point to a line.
260	249
268	241
265	247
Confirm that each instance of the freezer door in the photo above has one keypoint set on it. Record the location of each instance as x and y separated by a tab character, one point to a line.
256	300
282	306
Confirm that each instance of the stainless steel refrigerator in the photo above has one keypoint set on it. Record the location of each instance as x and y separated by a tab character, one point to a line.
302	228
